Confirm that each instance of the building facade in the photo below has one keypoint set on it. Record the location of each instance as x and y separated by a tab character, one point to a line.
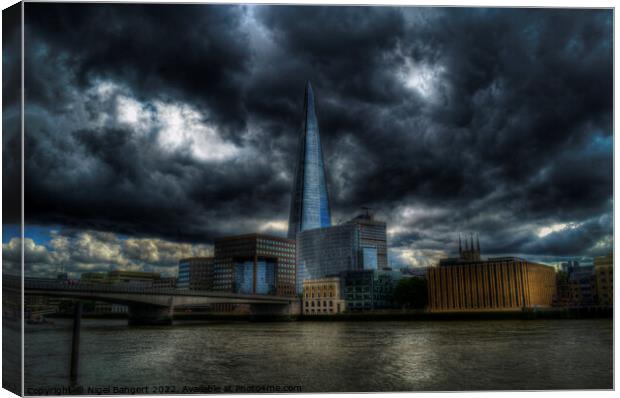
385	282
582	286
369	289
496	284
309	200
196	273
372	241
358	244
255	264
322	296
604	275
569	266
358	289
327	251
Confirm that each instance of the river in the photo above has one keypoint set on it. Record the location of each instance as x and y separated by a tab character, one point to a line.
324	356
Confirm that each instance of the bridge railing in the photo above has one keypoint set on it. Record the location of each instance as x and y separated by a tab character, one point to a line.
72	285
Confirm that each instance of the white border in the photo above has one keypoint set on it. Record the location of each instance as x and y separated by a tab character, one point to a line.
458	3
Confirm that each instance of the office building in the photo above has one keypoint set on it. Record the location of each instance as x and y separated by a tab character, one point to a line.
196	273
369	289
358	244
468	283
604	273
358	289
498	284
582	286
385	281
569	266
327	251
372	241
322	296
309	200
255	264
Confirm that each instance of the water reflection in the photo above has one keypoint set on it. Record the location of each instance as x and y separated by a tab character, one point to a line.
332	356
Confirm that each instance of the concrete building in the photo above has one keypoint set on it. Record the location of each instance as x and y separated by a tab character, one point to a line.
196	273
255	264
496	284
322	296
604	276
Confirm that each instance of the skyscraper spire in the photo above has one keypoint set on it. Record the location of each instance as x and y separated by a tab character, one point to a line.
478	242
310	200
460	248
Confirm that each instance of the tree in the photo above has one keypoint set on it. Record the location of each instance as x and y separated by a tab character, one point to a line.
411	293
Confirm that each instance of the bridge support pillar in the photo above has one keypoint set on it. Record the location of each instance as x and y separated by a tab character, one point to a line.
75	342
143	314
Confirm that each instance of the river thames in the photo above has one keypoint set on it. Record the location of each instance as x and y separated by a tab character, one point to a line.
325	356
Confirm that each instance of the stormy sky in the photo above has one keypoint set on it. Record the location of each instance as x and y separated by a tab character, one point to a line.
152	129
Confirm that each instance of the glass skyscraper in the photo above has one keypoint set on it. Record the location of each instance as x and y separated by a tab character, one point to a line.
358	244
310	200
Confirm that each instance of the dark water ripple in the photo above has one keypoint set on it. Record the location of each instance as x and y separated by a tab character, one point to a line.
336	356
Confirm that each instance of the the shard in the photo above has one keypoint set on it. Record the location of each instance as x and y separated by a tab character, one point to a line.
309	200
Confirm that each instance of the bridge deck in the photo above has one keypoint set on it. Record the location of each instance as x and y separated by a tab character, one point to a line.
33	286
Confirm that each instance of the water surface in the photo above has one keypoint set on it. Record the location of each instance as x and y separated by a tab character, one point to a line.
329	356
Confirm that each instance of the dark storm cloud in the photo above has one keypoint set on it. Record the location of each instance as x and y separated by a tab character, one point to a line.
11	102
493	120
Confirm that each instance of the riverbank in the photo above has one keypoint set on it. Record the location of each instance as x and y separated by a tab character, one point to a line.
389	315
412	315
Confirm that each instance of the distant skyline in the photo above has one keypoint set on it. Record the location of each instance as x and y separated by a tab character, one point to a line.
175	124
